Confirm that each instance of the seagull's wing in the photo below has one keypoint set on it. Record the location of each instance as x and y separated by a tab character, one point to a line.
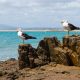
26	36
72	27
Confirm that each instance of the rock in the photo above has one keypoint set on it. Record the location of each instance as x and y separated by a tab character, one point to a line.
12	59
2	73
43	52
60	56
73	45
23	55
74	57
71	42
65	41
63	72
27	54
51	50
45	49
13	75
52	43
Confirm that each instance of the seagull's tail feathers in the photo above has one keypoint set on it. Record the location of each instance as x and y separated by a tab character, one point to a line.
31	37
34	38
78	28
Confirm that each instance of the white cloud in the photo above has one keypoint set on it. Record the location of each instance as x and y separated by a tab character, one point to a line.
20	11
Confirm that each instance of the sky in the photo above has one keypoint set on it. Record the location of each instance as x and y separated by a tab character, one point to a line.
39	13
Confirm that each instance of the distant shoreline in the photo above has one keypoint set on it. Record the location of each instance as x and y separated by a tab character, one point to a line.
37	30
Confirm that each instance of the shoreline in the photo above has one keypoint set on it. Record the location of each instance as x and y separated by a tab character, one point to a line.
39	30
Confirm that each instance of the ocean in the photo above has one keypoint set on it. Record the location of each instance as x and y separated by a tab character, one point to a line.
9	41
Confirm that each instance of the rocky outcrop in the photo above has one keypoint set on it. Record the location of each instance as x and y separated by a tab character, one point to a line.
73	48
46	47
67	52
27	54
51	50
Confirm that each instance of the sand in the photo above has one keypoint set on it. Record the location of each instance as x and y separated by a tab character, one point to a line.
9	70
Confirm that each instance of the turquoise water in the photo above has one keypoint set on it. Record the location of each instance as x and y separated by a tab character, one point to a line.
9	42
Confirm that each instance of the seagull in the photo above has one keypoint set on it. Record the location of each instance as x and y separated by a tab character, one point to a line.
68	26
23	35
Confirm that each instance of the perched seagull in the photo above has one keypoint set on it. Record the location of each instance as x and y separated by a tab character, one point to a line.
69	26
24	36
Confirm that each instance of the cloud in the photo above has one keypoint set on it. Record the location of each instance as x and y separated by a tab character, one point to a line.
32	6
41	11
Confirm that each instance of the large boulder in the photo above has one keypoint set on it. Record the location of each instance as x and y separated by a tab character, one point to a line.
27	55
73	48
46	47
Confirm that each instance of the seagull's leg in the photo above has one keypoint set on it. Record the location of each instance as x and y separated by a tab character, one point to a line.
23	41
76	33
68	32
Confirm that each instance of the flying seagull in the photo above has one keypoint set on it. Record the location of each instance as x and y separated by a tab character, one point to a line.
69	26
24	36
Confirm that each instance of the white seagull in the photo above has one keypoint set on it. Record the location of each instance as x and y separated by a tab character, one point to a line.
68	26
24	36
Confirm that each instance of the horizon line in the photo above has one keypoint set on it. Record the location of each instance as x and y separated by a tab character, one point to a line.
35	30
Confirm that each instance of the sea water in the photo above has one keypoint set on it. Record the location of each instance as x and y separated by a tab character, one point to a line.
9	41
